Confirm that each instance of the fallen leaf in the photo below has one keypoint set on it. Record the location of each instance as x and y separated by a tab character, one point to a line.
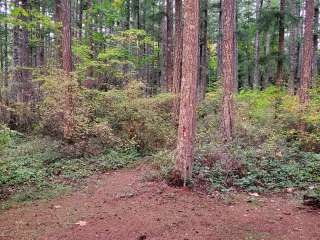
254	194
81	223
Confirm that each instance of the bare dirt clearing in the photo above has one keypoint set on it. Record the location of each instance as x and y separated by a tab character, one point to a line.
119	205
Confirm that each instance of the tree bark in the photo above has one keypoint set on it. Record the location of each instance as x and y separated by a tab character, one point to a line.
306	72
187	117
228	71
177	56
256	74
21	88
67	67
268	76
279	78
219	50
203	62
58	34
315	45
293	49
170	48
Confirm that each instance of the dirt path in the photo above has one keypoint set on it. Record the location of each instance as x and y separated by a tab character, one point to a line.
120	205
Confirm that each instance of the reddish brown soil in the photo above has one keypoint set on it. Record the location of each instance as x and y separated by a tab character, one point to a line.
120	205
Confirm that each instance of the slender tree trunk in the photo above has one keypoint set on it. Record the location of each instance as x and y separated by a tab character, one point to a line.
170	48
279	78
203	62
219	51
268	76
315	45
293	49
80	21
235	52
228	49
187	117
128	16
21	89
306	73
58	37
256	74
177	56
67	67
163	63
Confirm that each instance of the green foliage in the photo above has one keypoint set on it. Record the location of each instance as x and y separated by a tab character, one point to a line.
269	150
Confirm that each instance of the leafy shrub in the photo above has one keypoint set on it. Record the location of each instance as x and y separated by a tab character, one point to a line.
269	151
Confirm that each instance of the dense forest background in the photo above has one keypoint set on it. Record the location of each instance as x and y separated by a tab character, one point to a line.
94	85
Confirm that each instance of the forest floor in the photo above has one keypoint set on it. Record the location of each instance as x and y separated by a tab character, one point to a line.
125	205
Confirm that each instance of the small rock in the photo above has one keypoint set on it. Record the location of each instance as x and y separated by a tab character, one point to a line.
81	223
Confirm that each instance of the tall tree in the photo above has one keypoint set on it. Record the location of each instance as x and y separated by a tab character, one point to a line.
20	87
187	117
203	62
169	47
67	67
228	66
268	76
315	44
178	50
306	72
293	48
256	74
279	77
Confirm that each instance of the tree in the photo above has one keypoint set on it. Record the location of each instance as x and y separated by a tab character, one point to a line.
169	47
279	78
306	72
21	89
256	75
203	61
67	67
293	48
315	45
178	50
187	117
228	66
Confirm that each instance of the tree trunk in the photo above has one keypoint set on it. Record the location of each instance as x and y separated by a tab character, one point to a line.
58	33
306	72
128	12
315	45
21	89
67	67
177	56
228	70
293	49
163	63
268	76
279	78
219	51
187	117
203	61
169	49
235	52
256	74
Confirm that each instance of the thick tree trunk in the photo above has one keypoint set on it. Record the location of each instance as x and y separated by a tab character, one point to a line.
67	67
21	89
293	49
279	78
177	56
170	48
306	72
315	45
228	49
256	74
187	117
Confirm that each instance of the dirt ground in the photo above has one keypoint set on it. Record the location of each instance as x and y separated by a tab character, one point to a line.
123	205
